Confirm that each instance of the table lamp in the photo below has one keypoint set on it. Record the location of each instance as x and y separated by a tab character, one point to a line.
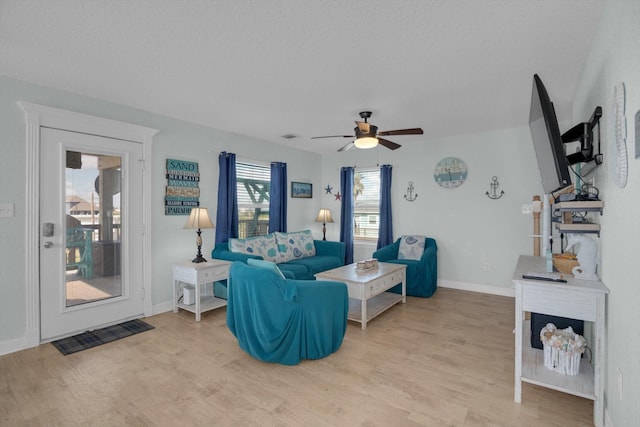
199	218
324	216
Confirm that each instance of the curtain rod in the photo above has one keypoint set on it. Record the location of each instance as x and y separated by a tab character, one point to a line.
366	167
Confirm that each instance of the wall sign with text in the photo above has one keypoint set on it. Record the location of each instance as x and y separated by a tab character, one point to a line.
183	191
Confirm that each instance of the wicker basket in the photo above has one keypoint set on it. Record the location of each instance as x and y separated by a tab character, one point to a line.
564	263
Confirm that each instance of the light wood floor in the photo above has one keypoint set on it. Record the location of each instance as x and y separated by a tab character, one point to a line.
443	361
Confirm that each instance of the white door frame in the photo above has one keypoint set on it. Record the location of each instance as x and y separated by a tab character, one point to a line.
37	116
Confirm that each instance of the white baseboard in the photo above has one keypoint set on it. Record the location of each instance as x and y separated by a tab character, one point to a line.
607	418
505	291
11	346
163	307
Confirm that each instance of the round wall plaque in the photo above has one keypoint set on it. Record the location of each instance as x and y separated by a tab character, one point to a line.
450	172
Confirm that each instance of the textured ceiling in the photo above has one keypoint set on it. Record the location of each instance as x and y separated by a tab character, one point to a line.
307	67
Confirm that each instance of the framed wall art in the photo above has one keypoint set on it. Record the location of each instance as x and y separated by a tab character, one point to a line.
301	190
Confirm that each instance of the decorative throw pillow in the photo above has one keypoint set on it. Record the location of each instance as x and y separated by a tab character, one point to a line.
295	245
265	264
411	247
263	246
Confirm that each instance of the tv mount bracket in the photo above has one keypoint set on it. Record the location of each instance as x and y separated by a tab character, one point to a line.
583	132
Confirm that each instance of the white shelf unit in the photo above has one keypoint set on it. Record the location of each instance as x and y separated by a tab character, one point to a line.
375	306
568	208
580	206
207	303
576	299
577	227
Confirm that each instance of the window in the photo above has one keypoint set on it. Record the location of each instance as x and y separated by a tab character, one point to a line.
253	182
366	206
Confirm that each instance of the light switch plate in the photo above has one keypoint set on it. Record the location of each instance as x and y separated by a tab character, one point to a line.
7	210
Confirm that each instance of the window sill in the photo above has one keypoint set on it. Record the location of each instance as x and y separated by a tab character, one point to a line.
362	242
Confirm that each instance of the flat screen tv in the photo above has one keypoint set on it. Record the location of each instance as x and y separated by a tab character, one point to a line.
547	140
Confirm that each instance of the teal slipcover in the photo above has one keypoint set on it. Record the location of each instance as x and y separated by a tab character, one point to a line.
328	255
422	274
283	320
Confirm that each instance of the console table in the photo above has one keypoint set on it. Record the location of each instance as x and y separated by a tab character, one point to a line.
576	299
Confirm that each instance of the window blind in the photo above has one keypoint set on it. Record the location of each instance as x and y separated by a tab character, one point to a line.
253	185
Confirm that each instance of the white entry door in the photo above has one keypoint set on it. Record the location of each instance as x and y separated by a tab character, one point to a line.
91	225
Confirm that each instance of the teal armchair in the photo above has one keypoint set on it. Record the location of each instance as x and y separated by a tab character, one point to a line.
422	274
283	320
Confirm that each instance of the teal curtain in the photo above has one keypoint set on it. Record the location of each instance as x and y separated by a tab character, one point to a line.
385	232
346	211
278	197
227	215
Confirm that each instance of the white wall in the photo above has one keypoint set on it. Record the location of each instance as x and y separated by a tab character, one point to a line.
176	139
613	58
470	229
12	231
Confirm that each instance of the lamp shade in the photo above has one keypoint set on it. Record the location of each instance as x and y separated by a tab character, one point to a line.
199	218
324	216
366	142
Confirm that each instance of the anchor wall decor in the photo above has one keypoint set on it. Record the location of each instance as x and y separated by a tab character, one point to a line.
494	189
410	196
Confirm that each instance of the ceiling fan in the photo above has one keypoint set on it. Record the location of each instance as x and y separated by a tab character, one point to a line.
367	135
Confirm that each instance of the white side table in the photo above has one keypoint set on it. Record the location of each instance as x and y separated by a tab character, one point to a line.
198	274
576	299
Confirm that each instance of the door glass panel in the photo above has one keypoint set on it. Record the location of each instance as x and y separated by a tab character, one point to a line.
93	238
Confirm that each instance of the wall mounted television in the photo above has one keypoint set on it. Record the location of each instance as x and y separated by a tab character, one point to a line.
547	140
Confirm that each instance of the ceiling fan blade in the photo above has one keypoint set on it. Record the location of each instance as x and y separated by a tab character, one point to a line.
349	146
389	144
332	136
412	131
363	126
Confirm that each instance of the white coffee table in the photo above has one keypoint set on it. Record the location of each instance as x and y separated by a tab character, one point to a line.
367	290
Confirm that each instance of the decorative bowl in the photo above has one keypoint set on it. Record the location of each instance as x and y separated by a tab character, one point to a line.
564	263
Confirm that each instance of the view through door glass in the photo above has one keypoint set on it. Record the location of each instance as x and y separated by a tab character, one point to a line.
93	212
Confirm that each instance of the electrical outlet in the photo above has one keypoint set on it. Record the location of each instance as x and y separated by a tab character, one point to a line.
486	266
527	209
619	383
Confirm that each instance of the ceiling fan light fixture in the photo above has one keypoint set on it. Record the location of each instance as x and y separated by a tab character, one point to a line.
366	142
366	135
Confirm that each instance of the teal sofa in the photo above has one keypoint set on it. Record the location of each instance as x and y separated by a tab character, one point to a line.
284	320
294	262
422	274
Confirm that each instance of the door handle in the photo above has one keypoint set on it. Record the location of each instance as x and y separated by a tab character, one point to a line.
48	244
